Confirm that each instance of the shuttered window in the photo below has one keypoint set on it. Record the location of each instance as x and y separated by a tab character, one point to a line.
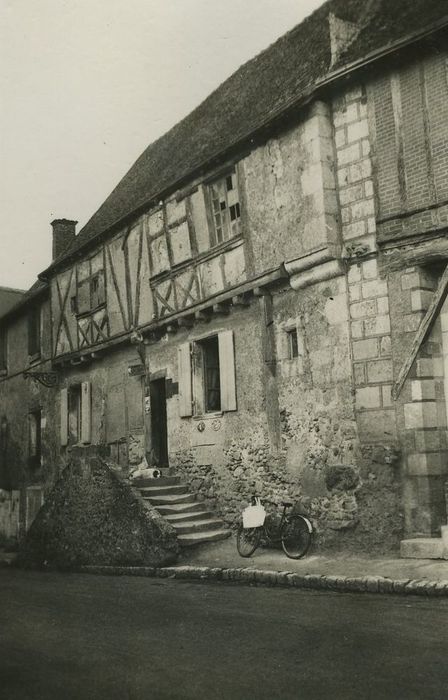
207	375
185	393
64	417
86	413
76	414
227	371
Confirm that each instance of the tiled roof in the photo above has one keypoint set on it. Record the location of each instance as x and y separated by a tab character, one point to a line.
21	298
257	92
9	298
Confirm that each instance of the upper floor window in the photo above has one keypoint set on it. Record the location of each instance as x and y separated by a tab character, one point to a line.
226	208
34	330
91	291
3	349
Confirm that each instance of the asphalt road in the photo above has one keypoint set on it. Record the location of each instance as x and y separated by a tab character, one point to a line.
78	636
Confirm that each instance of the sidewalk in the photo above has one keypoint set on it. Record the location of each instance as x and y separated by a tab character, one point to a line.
224	554
220	561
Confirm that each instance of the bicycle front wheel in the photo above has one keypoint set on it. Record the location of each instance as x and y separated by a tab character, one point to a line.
296	537
247	540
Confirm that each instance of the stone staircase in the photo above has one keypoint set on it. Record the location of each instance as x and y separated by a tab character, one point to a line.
426	547
193	523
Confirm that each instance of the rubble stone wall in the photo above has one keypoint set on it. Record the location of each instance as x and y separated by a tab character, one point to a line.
92	516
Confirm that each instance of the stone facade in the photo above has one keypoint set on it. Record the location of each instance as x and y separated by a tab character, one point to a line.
258	350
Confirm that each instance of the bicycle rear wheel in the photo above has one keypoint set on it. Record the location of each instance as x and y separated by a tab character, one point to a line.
296	537
247	540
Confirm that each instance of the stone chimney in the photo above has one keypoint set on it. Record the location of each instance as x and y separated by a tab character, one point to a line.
64	232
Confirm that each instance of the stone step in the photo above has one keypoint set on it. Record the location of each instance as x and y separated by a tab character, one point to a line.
193	538
163	481
178	508
198	525
188	516
423	548
162	490
170	499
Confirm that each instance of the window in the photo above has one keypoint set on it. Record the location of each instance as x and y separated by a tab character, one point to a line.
209	357
34	439
34	334
91	290
207	375
76	414
3	349
293	343
226	209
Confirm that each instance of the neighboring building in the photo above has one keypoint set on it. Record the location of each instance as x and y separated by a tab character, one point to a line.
243	304
9	298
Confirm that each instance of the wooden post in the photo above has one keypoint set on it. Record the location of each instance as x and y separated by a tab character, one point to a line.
425	327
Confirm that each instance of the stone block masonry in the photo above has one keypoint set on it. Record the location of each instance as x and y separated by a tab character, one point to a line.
354	169
371	352
421	408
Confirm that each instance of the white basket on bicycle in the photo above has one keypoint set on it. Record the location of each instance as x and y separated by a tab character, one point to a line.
254	516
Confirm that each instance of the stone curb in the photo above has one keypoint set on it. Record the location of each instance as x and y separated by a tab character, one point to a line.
285	579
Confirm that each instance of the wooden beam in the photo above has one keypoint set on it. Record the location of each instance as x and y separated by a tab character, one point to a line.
416	253
240	300
220	308
425	327
202	316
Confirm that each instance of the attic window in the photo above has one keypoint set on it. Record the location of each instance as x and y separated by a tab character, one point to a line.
226	209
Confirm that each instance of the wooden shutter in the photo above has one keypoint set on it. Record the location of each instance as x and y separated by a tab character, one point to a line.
227	371
64	417
184	369
86	410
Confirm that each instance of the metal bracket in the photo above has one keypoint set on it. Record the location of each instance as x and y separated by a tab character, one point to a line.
48	379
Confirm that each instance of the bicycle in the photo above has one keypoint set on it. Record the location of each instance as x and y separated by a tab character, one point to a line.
293	530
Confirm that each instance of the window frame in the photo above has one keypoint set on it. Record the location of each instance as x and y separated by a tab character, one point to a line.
292	337
191	373
84	414
202	369
227	222
89	281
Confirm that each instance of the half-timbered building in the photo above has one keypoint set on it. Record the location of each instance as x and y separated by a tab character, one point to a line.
259	305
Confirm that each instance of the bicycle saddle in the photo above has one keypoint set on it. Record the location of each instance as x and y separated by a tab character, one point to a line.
287	504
